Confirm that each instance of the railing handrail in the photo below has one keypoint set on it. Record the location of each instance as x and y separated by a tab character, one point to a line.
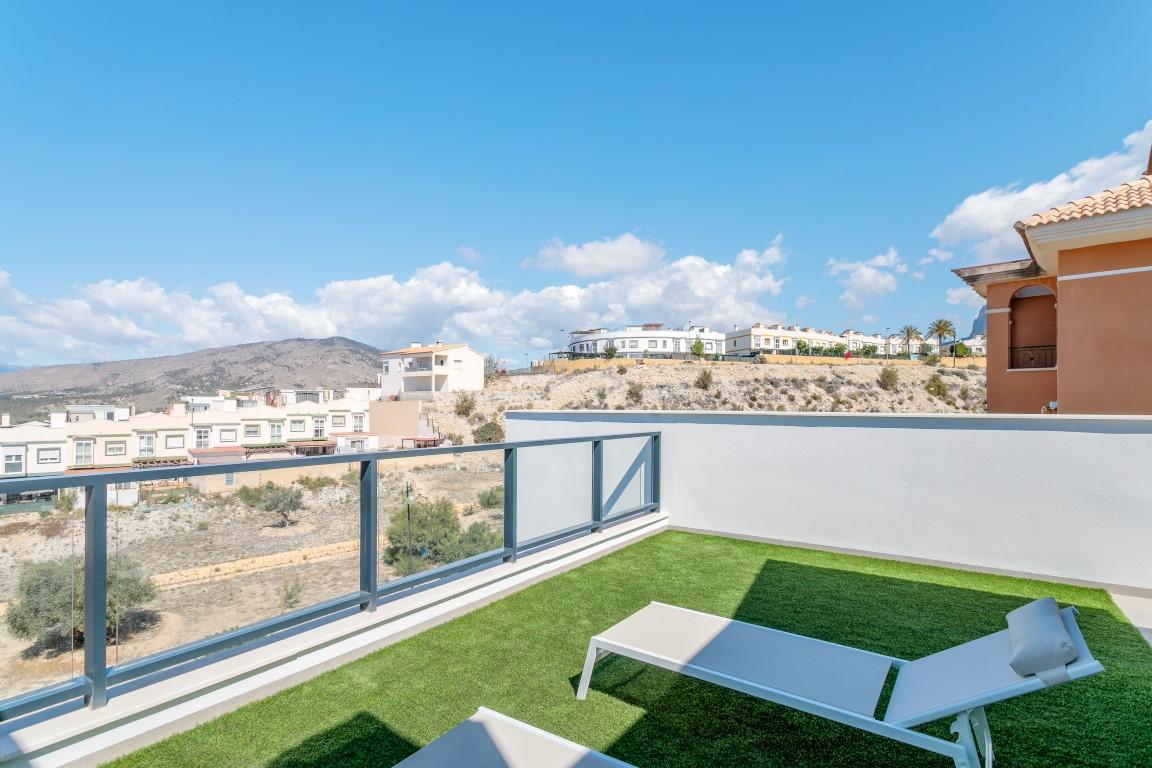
83	478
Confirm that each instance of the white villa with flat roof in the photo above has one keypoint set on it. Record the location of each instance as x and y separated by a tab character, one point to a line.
423	371
648	339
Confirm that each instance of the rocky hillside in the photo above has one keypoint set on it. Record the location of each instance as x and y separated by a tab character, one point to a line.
152	382
731	386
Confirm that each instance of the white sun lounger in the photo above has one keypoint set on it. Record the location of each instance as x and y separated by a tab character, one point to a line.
491	740
838	682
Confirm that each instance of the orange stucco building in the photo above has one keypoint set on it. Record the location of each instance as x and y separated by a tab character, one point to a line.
1070	327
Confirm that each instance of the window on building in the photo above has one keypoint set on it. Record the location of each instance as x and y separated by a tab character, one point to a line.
276	432
357	422
251	430
229	479
111	448
633	344
147	444
123	486
651	343
84	451
338	421
664	343
296	425
48	456
385	367
14	462
357	445
203	437
227	435
173	442
318	428
708	345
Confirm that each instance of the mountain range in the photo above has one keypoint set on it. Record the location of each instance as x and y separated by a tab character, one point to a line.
153	382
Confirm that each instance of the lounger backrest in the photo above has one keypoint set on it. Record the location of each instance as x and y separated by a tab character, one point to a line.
972	675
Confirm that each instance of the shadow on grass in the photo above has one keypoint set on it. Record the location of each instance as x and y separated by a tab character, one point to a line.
1099	721
361	740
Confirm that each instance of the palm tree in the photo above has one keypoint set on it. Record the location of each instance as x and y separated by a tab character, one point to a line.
910	333
941	328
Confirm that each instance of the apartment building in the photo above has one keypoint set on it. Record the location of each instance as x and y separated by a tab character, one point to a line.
425	371
31	449
646	340
1070	327
779	339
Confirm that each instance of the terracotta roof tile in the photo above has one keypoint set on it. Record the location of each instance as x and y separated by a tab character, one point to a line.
1127	196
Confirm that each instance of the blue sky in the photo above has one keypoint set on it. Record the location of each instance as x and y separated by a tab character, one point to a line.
182	175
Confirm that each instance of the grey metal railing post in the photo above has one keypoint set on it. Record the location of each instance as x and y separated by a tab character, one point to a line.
96	593
597	484
509	505
654	441
369	536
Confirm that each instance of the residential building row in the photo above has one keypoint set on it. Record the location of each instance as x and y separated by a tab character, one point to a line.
655	340
240	425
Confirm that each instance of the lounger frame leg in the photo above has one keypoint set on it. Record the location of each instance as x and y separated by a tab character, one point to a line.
594	654
971	729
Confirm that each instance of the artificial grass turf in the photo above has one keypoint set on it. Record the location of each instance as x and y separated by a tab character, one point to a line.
522	656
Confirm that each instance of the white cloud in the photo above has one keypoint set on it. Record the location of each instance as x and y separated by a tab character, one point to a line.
864	280
983	222
771	256
935	255
868	319
803	301
965	297
128	318
625	254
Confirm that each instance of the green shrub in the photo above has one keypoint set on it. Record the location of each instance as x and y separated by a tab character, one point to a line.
621	369
49	604
889	378
315	483
455	438
491	498
488	433
635	393
932	359
936	387
465	404
282	501
249	496
704	379
289	596
476	540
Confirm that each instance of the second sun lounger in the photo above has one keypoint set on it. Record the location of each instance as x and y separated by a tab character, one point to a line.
842	683
491	740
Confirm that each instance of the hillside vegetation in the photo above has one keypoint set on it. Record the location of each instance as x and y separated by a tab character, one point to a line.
725	387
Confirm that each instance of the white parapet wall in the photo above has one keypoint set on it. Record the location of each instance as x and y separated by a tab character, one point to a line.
1068	497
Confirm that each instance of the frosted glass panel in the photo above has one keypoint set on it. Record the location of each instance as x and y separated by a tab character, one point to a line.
627	464
553	489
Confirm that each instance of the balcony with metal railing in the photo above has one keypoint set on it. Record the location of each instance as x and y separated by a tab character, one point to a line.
596	514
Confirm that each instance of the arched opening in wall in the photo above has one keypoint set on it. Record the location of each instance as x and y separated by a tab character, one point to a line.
1033	328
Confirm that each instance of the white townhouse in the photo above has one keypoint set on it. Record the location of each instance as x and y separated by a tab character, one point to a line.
648	339
423	371
784	339
777	339
33	448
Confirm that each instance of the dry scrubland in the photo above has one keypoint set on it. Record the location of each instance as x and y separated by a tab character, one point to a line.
218	563
733	386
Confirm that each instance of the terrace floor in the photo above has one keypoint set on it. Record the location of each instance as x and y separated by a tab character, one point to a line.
522	656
